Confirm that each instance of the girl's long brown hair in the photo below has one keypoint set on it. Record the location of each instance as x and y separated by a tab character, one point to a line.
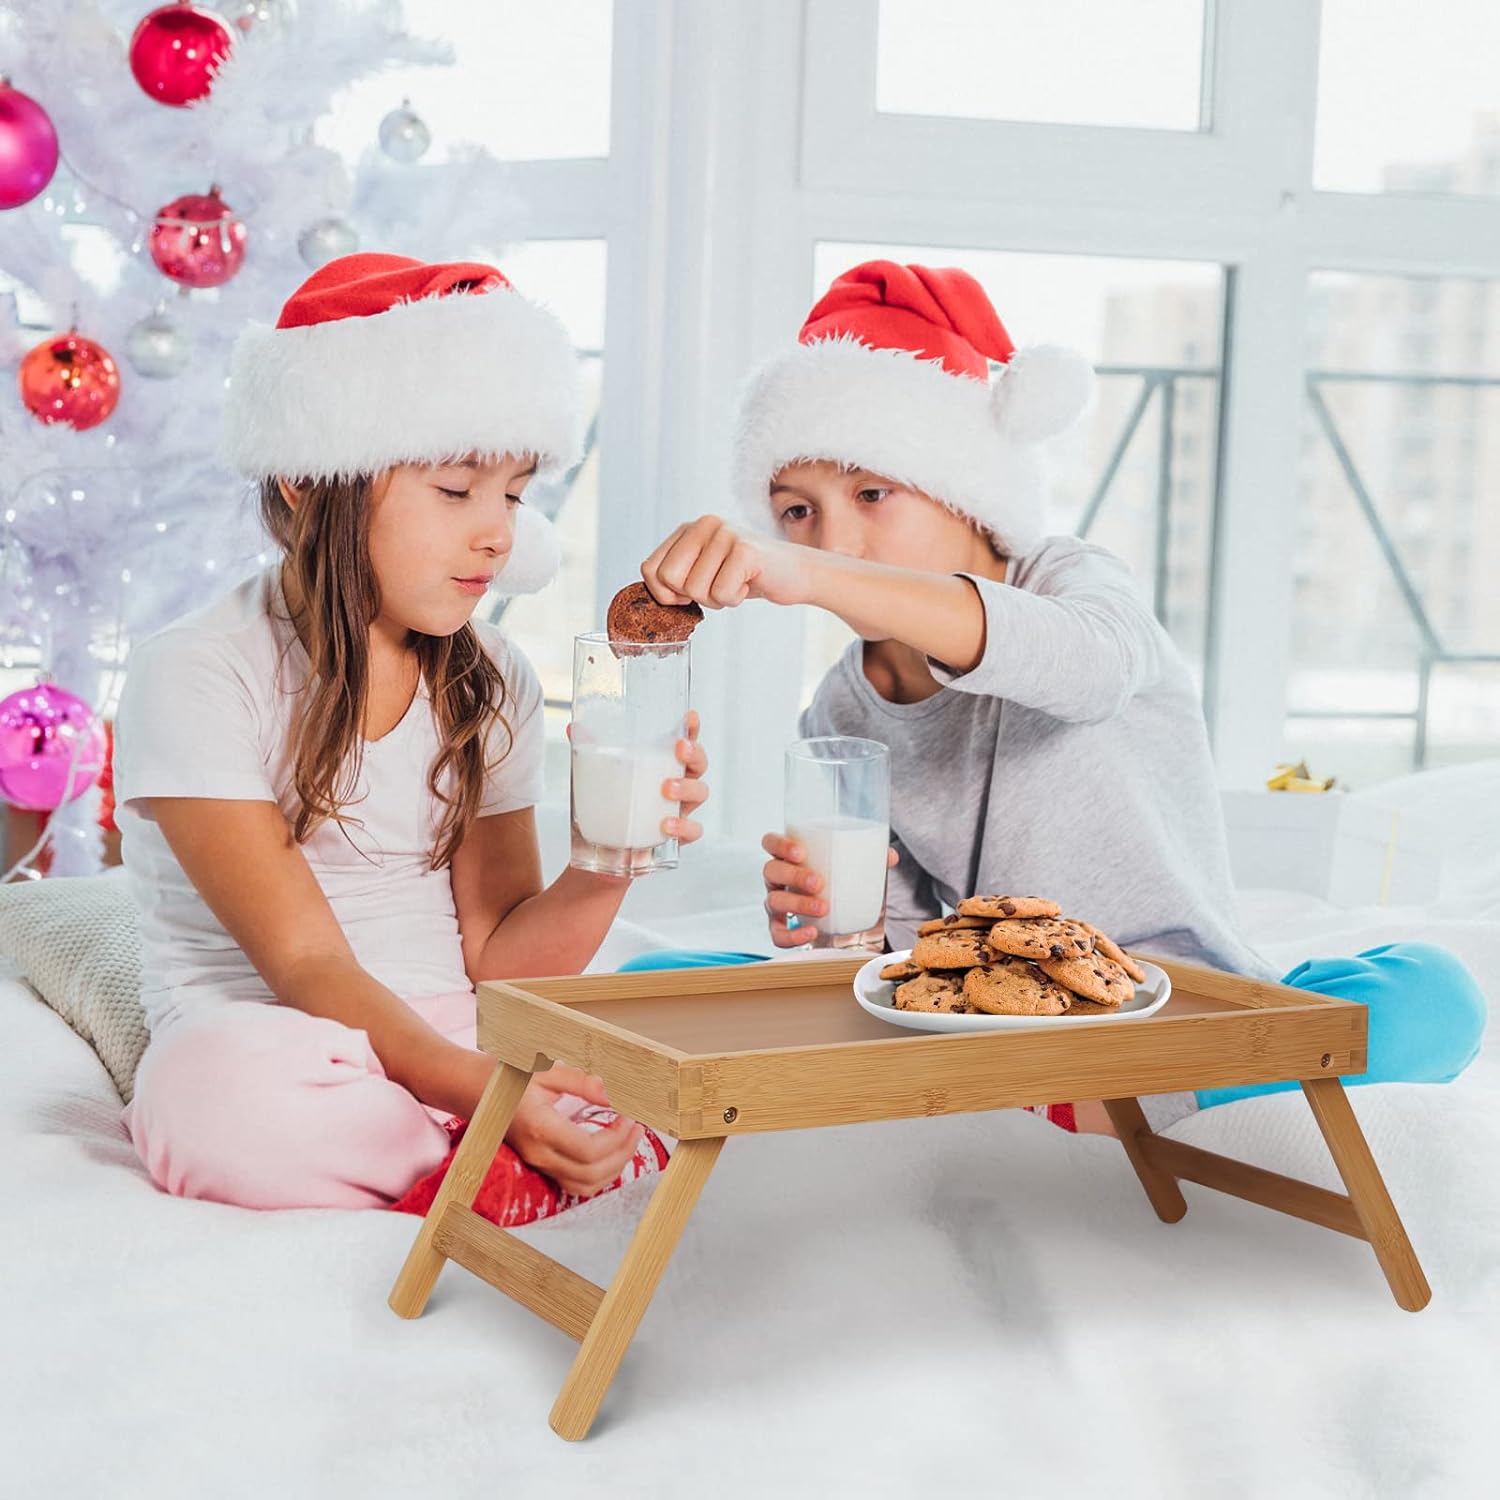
325	539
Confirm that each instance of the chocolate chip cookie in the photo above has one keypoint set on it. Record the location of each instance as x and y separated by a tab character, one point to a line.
953	923
1014	987
903	968
933	992
965	949
1081	1007
1111	949
635	616
1041	937
1095	978
998	907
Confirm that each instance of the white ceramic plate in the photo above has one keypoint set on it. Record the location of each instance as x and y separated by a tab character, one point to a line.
878	995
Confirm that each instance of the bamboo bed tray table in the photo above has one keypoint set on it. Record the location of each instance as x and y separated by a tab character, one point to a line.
705	1054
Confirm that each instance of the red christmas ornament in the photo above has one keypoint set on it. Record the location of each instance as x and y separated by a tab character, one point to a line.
176	51
197	240
28	147
70	379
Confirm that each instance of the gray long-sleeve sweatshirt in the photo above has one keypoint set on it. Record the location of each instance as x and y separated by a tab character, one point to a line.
1072	762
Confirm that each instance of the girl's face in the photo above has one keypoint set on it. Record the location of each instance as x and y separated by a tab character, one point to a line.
859	514
439	535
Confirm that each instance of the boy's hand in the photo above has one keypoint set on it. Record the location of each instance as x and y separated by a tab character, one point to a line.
791	890
711	563
794	890
689	790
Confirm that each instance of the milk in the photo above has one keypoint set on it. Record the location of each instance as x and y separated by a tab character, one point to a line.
617	800
850	855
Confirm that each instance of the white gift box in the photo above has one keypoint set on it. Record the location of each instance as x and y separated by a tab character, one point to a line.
1349	851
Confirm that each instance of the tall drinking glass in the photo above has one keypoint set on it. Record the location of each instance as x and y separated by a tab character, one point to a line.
838	807
630	705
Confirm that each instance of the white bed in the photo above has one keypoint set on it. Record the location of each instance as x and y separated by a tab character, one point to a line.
978	1304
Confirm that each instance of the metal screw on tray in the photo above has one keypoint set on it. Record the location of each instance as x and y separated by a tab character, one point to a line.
730	1116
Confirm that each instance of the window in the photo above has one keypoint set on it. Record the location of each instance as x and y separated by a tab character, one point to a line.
1407	97
569	277
1138	475
531	82
1014	60
1396	624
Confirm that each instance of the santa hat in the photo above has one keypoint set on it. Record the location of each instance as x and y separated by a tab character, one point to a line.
892	374
379	360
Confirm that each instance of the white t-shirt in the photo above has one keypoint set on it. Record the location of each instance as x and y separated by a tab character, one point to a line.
206	713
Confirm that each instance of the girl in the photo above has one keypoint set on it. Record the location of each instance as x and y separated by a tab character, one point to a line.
1046	735
326	779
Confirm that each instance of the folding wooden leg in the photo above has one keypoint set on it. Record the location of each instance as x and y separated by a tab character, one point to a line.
497	1107
1367	1192
1161	1187
1367	1213
630	1292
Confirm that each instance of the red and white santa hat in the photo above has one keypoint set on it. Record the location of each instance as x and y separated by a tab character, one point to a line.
892	374
379	360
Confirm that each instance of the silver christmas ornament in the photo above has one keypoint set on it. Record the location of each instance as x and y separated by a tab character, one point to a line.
157	347
268	17
404	135
326	239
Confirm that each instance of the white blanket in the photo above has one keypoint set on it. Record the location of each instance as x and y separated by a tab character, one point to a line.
982	1305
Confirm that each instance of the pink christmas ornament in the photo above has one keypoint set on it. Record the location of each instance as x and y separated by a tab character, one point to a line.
28	147
197	241
52	748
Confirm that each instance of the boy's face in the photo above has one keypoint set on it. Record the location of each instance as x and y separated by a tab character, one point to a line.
860	514
439	535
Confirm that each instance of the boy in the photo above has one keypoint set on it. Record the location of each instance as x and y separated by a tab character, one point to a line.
1045	733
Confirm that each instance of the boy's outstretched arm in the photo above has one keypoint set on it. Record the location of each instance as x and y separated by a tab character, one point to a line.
718	566
1079	650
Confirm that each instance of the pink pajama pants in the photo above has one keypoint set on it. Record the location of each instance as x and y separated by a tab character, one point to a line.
266	1106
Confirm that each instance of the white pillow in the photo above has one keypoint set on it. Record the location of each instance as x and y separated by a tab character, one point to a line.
77	941
1447	804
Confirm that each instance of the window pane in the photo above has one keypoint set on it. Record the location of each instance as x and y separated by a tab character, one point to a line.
529	82
1016	60
1397	548
1407	97
569	276
566	276
1153	330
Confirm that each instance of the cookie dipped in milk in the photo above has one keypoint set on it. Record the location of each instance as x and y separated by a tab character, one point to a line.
630	704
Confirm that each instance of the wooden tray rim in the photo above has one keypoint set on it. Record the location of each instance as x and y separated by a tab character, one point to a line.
687	984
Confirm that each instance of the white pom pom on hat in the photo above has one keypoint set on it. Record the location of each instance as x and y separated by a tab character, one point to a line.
1040	392
535	555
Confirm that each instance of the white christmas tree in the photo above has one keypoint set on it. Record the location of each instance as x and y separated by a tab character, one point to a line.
106	534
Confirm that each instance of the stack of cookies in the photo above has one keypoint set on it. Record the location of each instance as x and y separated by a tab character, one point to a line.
1013	956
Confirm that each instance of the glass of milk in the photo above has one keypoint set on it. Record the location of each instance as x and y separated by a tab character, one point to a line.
630	704
838	807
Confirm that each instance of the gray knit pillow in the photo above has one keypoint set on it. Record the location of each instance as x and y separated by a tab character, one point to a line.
77	941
